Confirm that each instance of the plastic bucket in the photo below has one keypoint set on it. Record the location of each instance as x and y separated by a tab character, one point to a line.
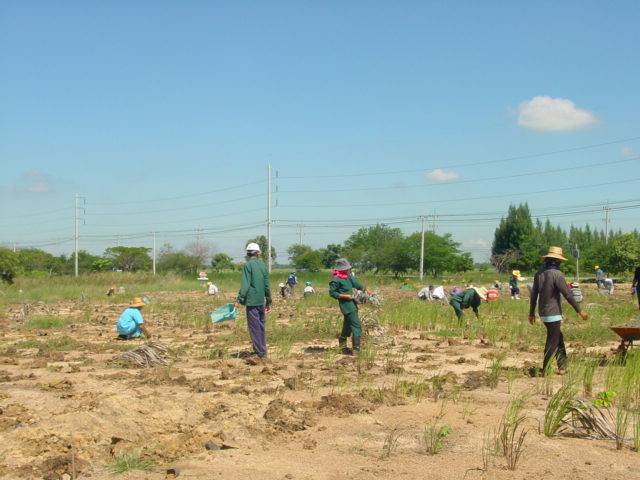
224	313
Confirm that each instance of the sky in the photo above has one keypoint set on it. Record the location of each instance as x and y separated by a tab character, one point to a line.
164	116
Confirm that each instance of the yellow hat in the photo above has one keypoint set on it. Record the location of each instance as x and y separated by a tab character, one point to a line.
137	302
555	252
516	273
596	267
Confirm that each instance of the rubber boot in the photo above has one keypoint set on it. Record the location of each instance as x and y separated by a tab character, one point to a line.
356	344
342	342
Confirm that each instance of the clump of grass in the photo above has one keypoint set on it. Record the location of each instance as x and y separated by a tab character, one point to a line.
495	370
511	432
126	462
590	367
404	389
45	322
434	434
622	427
558	408
284	344
366	358
391	439
636	433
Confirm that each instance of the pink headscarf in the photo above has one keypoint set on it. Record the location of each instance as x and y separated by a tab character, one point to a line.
342	274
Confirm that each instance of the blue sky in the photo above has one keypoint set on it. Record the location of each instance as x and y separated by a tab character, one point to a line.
142	107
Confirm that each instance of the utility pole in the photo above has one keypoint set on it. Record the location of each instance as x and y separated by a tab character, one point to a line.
422	251
301	231
14	247
154	253
606	223
577	263
75	235
269	218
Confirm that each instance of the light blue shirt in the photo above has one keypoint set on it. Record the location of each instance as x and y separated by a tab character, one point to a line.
552	318
129	321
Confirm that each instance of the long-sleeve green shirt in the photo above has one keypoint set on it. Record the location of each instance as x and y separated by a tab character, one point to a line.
254	289
339	286
467	298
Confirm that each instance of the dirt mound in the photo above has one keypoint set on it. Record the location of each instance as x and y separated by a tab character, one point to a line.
53	468
162	376
288	417
343	405
475	379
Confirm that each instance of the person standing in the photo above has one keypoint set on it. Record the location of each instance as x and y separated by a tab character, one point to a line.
341	288
636	284
599	277
548	285
255	295
292	281
513	285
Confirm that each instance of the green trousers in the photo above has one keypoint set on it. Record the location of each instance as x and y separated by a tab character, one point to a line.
351	325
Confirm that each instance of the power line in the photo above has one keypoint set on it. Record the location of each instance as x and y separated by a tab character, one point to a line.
178	197
470	164
164	210
465	199
472	180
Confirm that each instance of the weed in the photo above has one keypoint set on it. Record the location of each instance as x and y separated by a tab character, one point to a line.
329	357
434	434
605	399
366	358
636	433
45	323
124	463
284	344
511	432
495	369
391	439
622	426
590	367
557	409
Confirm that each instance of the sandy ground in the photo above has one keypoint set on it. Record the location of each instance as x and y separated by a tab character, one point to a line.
303	417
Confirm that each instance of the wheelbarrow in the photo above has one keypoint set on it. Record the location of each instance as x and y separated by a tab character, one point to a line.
627	334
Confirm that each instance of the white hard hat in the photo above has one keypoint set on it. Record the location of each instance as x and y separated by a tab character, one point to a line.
253	247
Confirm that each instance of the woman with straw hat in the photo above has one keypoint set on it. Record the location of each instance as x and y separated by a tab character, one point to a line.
469	298
548	285
131	324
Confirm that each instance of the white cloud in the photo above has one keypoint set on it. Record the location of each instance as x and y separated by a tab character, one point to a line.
628	152
439	175
34	181
548	114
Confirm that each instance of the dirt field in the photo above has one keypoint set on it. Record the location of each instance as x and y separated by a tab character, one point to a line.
67	410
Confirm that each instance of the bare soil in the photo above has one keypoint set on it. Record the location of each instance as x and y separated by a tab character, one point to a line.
71	411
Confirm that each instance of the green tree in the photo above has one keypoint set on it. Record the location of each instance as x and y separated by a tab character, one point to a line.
624	253
441	254
101	265
85	262
222	261
9	265
262	241
513	230
171	261
36	260
365	248
330	254
129	259
304	257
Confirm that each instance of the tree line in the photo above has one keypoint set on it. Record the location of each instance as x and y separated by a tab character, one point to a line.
519	243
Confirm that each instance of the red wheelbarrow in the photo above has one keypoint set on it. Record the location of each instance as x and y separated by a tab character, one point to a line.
627	334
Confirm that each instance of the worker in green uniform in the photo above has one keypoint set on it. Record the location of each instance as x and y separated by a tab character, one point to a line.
470	297
341	288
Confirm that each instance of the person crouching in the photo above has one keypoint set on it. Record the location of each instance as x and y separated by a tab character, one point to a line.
341	288
131	324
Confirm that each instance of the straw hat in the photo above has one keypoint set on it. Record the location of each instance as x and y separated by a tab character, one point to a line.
516	273
137	302
555	252
596	267
481	291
